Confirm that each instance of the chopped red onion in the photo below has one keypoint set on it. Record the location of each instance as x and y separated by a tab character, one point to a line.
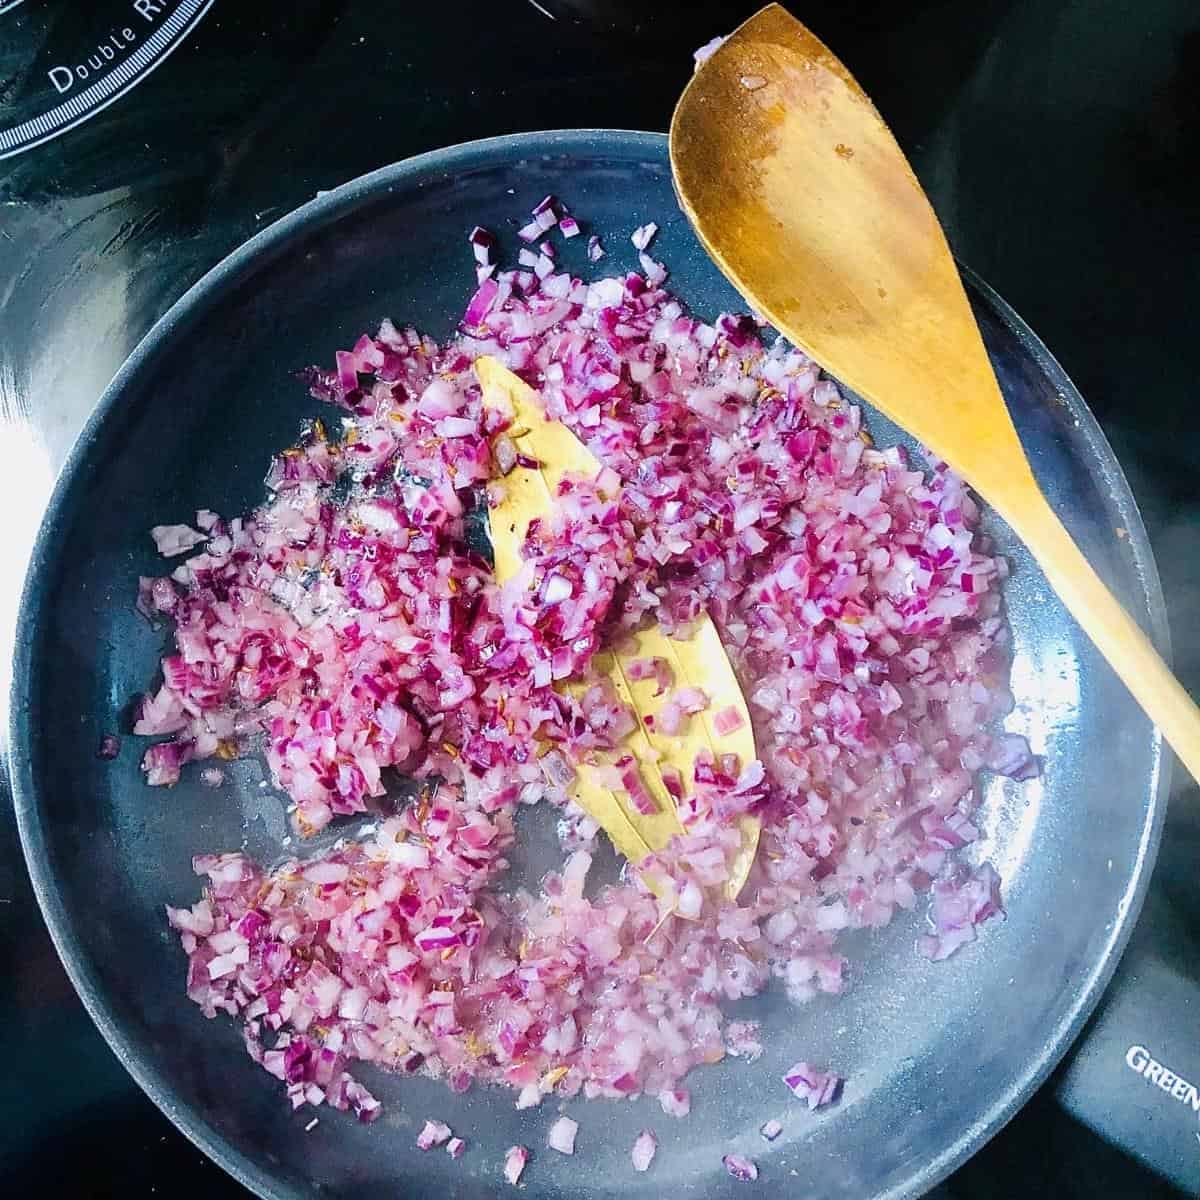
350	626
434	1133
562	1135
960	903
481	303
643	235
655	272
772	1129
644	1150
691	899
740	1167
637	791
742	1040
176	539
456	1147
482	243
727	720
657	669
568	226
514	1163
701	56
816	1088
1012	756
595	249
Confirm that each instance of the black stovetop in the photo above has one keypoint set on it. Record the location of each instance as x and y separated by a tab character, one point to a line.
1057	139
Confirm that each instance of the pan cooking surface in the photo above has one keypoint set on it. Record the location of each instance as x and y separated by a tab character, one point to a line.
936	1056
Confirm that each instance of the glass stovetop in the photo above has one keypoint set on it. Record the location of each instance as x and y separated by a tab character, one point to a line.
1055	138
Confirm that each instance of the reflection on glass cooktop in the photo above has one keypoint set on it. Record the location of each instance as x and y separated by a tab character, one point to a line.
1054	138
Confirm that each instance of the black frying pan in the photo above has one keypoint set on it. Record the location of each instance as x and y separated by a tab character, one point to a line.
937	1056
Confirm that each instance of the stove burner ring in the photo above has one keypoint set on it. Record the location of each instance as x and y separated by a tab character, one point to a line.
73	82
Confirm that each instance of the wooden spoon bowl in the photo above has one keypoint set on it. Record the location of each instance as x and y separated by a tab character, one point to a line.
799	192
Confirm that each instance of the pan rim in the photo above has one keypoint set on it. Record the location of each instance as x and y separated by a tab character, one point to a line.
324	209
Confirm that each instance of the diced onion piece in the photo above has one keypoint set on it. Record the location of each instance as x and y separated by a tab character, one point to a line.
514	1163
643	235
434	1133
817	1088
705	52
562	1135
727	720
172	540
740	1167
644	1149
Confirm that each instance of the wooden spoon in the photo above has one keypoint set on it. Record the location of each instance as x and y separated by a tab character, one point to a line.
804	200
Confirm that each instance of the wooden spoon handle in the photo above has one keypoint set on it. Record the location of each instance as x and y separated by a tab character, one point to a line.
1115	634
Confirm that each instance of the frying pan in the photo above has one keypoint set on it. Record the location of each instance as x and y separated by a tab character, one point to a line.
937	1056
